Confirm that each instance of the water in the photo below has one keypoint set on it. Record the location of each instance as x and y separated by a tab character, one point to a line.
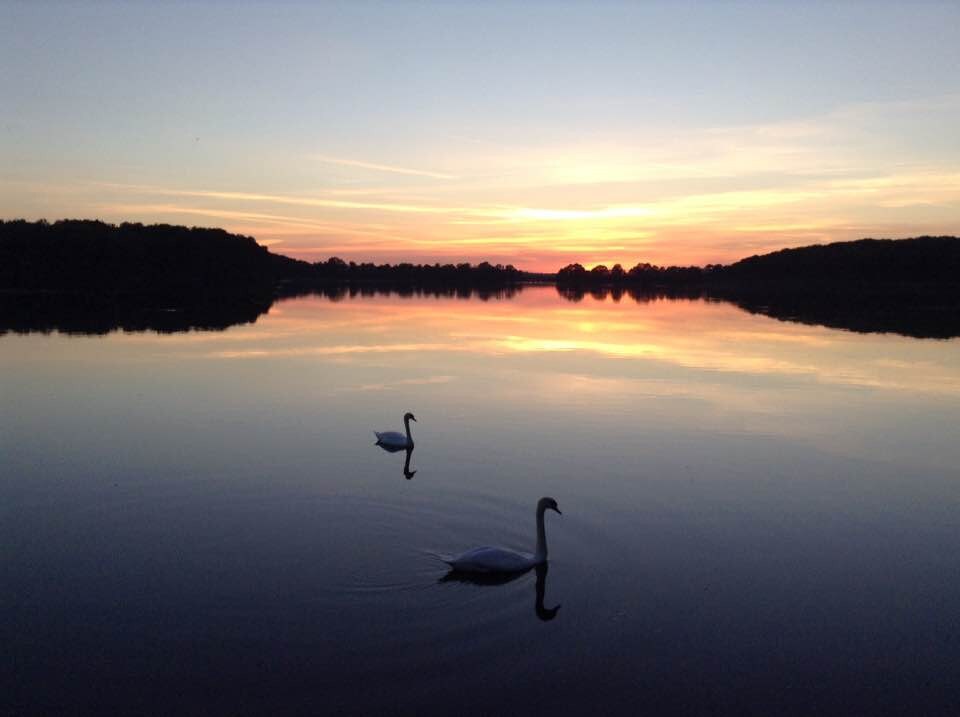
759	516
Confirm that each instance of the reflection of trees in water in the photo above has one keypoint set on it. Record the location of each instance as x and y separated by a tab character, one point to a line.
338	291
97	314
100	314
640	295
917	311
906	311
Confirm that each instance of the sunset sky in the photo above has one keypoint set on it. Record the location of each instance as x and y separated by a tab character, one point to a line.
536	133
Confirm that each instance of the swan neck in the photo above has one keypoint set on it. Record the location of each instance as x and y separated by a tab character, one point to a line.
406	424
541	555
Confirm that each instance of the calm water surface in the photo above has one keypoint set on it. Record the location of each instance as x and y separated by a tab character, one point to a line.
759	517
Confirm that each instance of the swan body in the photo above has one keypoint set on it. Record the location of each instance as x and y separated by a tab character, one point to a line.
394	439
501	560
492	560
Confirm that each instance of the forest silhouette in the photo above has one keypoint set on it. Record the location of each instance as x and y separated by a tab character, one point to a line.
87	276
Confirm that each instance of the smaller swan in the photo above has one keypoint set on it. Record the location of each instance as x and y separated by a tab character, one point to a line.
501	560
393	439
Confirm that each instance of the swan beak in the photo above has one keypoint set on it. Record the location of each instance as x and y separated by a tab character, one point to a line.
558	511
413	418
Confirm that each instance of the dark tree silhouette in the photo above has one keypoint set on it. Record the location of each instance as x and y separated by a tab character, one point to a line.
926	261
92	257
413	275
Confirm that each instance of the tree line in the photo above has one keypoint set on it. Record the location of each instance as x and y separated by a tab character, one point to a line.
94	257
926	260
642	274
336	270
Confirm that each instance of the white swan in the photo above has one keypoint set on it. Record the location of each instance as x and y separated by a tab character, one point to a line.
393	439
501	560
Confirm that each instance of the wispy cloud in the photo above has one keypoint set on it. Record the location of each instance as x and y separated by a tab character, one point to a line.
289	223
393	385
289	199
382	167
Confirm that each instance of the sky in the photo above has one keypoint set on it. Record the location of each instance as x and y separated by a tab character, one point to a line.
531	133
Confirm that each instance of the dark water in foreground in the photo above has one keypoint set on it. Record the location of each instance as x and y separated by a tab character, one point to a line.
759	517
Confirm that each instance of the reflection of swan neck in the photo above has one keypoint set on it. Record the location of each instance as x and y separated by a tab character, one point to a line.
406	423
543	613
541	555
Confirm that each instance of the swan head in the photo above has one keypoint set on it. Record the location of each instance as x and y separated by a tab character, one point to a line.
547	503
409	417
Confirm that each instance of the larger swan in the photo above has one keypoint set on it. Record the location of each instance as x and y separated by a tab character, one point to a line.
501	560
395	440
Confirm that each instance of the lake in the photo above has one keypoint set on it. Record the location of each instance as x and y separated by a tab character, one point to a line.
759	517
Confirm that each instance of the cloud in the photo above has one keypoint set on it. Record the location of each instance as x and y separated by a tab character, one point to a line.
382	167
287	199
393	385
285	223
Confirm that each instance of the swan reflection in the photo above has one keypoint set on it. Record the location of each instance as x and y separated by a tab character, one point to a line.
491	579
407	473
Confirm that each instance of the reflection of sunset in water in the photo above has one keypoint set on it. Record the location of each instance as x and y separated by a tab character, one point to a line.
635	340
656	364
692	334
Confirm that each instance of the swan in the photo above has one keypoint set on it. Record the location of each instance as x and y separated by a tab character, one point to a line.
501	560
393	439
